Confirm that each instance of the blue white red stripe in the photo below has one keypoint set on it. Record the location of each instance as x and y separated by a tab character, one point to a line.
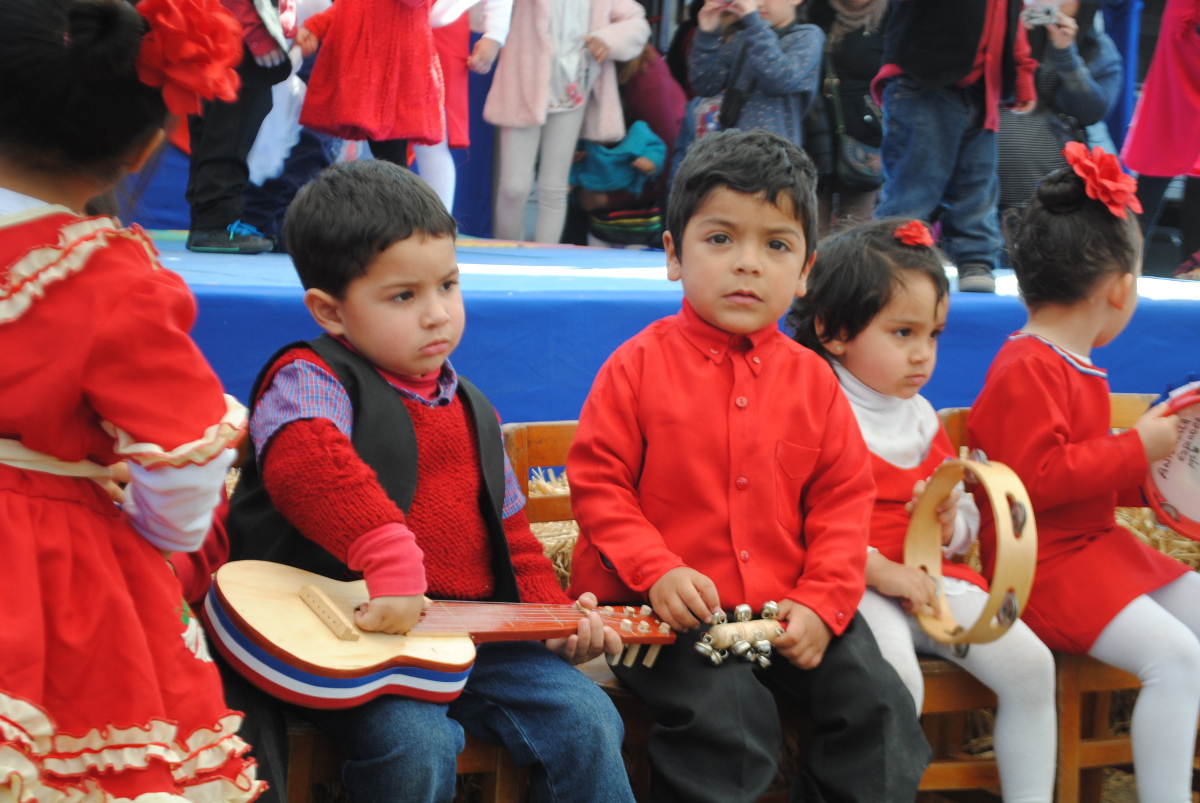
1074	361
280	679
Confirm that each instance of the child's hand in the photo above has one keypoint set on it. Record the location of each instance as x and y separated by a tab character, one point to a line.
740	8
483	56
947	511
913	587
683	598
1159	433
597	48
272	59
645	165
115	484
806	638
591	639
307	40
1024	107
709	18
395	615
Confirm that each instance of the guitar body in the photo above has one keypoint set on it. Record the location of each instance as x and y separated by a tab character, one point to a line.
262	626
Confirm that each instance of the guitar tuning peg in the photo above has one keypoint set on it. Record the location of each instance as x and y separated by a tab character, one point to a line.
770	609
645	610
664	628
743	650
764	661
643	626
631	655
718	617
651	655
743	613
615	658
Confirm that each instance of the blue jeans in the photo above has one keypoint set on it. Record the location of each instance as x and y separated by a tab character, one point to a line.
546	713
936	152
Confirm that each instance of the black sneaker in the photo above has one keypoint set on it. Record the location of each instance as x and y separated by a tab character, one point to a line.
236	238
976	278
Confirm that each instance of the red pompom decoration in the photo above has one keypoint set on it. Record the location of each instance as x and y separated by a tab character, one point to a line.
1103	178
192	51
914	232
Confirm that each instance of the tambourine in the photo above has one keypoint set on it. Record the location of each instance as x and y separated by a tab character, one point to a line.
1172	486
1016	549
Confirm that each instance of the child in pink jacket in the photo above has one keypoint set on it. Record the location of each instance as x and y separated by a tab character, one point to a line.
556	81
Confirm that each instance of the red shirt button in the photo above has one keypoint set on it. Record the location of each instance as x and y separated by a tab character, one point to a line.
741	482
741	401
745	556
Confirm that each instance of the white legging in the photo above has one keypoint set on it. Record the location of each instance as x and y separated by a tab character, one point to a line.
1017	667
436	166
551	146
1156	638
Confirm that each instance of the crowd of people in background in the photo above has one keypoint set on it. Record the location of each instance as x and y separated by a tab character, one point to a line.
594	120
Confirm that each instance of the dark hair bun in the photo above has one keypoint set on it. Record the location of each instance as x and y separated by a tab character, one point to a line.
1062	191
103	38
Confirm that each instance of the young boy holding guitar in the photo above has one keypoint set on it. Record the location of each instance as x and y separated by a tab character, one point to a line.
373	457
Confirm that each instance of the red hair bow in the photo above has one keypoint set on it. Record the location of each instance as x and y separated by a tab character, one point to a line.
1103	178
914	232
191	50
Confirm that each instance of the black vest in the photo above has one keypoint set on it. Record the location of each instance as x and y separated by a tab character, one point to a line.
384	438
935	41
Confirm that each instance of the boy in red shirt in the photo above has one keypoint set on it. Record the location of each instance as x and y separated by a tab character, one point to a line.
717	463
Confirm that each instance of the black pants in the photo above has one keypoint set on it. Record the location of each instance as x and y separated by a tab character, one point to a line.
716	733
221	138
392	150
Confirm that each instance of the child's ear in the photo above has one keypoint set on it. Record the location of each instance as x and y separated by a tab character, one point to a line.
674	269
138	158
835	345
1119	291
802	283
325	309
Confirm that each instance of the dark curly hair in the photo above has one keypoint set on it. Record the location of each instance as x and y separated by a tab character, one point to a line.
70	98
1065	242
854	279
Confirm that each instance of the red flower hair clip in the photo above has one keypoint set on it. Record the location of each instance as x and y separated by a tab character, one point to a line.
914	232
192	51
1103	178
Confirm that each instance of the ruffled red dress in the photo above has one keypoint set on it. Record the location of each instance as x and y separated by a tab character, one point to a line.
1045	414
107	690
377	74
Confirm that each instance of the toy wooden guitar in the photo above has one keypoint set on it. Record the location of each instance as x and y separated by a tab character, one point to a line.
292	634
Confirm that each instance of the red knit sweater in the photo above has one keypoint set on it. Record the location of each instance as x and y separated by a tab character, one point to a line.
323	488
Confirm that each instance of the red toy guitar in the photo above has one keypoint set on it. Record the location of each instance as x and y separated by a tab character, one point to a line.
292	634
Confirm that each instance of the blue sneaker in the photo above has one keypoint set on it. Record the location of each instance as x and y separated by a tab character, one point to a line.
236	238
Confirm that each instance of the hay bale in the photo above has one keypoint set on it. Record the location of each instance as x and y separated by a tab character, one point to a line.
1141	522
557	537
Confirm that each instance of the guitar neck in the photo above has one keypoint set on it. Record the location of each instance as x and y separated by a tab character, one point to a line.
499	621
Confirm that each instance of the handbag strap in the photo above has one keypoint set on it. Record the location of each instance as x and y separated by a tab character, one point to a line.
833	91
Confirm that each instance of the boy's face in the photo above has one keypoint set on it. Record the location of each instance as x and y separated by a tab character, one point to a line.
896	353
745	260
405	314
778	13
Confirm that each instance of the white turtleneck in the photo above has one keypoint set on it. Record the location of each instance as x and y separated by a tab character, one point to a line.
901	432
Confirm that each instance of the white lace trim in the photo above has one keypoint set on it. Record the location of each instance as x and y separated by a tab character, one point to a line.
220	436
29	276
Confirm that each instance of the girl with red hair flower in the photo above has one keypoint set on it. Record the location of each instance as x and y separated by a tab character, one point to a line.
1044	412
107	690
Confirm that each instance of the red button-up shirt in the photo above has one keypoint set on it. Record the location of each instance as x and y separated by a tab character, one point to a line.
735	455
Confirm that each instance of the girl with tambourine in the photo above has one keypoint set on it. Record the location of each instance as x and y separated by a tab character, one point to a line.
1044	411
875	306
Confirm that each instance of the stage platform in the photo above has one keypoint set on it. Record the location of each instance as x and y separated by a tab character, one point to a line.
541	320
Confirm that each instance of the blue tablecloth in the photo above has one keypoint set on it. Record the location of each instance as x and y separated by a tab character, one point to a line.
541	321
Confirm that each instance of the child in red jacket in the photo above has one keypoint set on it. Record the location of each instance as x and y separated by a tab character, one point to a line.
717	463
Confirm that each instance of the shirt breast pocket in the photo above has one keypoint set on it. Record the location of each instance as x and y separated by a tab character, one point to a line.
793	468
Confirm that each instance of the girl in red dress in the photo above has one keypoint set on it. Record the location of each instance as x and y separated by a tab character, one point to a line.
377	77
1044	411
107	690
875	307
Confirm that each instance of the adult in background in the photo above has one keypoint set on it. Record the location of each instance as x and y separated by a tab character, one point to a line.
1078	77
854	48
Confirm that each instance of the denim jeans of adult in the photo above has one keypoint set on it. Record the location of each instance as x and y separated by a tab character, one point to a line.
937	153
549	716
